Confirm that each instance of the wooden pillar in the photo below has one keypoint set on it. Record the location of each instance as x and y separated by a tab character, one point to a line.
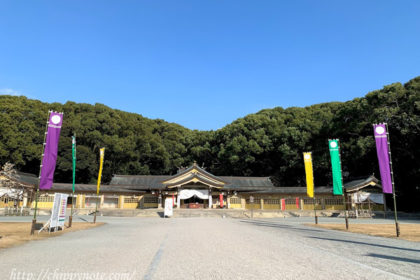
227	200
178	200
160	201
262	203
210	201
25	199
243	203
141	202
121	202
78	201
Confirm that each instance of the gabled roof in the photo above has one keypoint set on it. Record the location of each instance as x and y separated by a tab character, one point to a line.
194	178
195	174
358	184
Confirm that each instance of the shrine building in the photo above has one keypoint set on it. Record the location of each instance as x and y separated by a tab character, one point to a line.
194	187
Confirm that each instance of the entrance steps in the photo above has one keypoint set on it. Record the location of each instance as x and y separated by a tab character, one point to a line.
211	213
214	213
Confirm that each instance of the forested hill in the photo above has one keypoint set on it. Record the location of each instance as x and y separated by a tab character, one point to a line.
268	143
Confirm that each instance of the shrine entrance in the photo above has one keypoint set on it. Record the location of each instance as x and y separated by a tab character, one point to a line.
194	187
193	199
194	203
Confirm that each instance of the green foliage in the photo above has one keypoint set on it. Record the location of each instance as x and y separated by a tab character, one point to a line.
268	143
134	144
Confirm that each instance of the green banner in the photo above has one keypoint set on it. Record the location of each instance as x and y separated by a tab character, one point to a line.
336	166
73	155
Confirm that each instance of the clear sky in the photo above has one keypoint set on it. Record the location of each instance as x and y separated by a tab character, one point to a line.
205	63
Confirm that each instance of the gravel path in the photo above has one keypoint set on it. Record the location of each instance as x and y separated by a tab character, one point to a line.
211	248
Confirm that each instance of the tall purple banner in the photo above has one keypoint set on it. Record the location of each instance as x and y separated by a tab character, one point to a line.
50	151
381	139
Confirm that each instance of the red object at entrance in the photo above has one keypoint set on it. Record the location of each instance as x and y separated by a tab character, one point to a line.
173	200
297	202
221	200
195	205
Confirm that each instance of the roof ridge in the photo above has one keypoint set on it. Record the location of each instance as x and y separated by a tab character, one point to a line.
118	175
257	177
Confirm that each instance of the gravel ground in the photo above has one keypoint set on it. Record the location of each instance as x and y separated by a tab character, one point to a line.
211	248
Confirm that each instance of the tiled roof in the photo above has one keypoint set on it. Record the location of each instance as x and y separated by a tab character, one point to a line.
294	190
142	183
155	181
92	188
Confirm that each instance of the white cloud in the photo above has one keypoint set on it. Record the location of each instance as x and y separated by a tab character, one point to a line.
10	91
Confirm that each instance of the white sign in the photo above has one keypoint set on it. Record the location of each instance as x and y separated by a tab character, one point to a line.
169	210
58	212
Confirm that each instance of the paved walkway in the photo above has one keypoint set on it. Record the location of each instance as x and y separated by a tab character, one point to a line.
212	248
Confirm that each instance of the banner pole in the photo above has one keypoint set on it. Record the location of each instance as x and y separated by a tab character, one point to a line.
36	206
73	152
96	208
39	175
316	217
346	216
338	174
101	161
71	211
397	226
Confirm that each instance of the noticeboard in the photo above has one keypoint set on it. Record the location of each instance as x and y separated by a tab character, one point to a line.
169	203
58	213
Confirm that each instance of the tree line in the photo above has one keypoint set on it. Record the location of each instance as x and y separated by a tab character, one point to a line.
267	143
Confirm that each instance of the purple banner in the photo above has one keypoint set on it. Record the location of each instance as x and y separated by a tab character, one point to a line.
381	139
50	151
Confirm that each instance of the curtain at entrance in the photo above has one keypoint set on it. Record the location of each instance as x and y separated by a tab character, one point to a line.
185	194
360	197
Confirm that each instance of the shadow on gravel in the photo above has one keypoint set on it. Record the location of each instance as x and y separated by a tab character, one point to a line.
83	219
364	243
393	258
274	225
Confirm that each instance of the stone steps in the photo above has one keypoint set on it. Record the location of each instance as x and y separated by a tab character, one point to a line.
210	213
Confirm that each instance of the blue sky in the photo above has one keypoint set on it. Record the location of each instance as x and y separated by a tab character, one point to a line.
203	64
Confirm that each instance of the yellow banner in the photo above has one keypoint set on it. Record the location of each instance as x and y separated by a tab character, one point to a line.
307	158
101	163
